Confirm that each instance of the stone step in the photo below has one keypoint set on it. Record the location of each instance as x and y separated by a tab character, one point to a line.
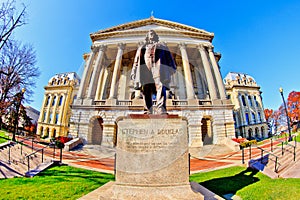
39	168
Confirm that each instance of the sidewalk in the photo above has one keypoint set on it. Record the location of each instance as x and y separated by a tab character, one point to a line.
95	157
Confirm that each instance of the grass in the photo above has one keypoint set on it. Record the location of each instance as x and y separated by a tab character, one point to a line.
62	182
3	136
67	182
248	184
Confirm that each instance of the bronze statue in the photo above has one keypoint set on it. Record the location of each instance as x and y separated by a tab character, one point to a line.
151	72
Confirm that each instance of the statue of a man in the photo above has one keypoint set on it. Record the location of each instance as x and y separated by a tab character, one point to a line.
151	72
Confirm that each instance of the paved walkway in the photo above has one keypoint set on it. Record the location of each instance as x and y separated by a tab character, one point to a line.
102	159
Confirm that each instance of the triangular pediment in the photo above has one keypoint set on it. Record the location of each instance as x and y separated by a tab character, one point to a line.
155	24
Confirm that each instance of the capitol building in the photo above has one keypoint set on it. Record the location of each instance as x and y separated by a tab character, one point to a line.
105	93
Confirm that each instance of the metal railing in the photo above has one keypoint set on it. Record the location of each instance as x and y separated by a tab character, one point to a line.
269	153
34	153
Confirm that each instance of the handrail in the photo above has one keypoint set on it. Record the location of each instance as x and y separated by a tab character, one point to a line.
293	146
262	155
27	139
33	153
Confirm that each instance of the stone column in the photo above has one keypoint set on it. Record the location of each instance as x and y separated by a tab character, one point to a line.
181	94
43	107
208	73
123	83
217	72
187	72
95	75
48	109
101	81
84	79
118	62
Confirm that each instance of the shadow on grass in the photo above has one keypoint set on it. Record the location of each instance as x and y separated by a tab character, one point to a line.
231	184
66	173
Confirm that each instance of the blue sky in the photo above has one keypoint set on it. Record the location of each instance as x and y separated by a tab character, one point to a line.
258	37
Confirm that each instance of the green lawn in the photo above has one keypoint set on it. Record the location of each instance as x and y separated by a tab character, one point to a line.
3	136
67	182
248	184
62	182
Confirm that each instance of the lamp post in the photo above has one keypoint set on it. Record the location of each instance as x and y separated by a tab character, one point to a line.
286	112
19	98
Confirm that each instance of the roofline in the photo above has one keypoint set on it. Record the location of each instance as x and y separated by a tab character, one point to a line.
121	29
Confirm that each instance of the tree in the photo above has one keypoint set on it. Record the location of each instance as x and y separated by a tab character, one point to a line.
17	61
268	114
10	19
293	104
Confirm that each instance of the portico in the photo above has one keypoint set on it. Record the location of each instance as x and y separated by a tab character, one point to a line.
107	92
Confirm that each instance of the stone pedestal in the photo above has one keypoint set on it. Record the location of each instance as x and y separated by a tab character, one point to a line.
151	160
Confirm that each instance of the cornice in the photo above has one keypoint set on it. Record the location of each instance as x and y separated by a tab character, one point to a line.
126	30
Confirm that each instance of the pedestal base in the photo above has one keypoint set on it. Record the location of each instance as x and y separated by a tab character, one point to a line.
113	191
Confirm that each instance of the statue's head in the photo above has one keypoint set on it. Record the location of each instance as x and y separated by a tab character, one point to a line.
151	37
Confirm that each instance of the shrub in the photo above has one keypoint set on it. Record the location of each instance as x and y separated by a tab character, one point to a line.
248	143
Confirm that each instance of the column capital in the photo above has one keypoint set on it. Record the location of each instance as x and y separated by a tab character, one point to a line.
121	46
182	45
210	48
200	46
102	47
94	48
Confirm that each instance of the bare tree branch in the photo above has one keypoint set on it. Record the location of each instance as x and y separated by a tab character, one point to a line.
10	20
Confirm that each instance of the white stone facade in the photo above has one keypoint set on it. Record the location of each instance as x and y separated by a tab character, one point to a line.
249	117
106	92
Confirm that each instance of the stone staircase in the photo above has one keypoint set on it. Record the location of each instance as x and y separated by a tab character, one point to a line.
266	157
277	161
17	160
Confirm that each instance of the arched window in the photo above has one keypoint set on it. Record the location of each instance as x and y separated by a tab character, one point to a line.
48	100
253	118
50	118
256	102
250	100
44	116
60	100
247	118
243	100
54	133
56	118
53	102
259	116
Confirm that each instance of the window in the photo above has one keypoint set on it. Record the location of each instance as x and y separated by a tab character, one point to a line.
50	118
243	100
56	118
247	118
259	116
250	100
60	100
253	118
48	100
44	116
53	102
256	102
